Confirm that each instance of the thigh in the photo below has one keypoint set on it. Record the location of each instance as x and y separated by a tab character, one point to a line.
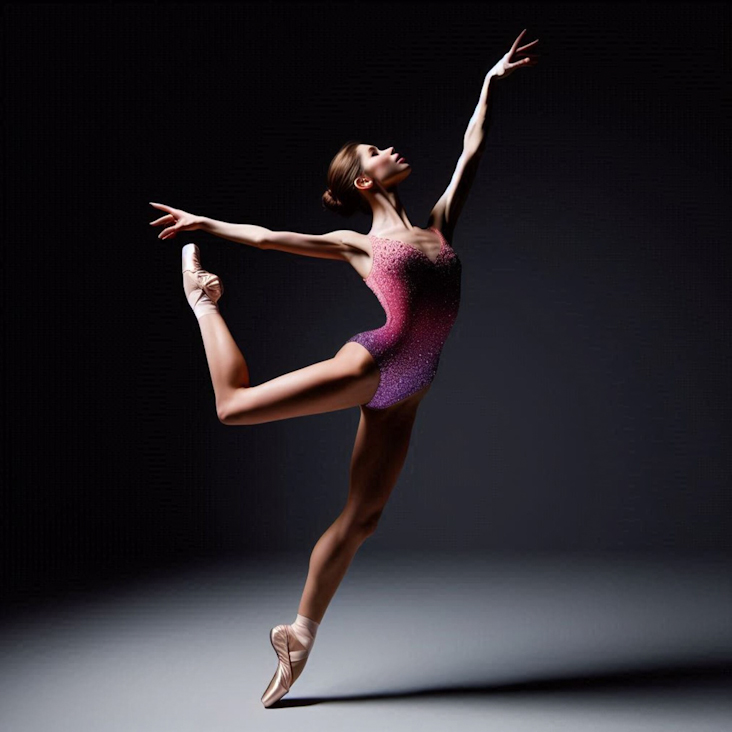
346	380
379	453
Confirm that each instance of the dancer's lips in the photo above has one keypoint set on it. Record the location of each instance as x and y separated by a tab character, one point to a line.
401	160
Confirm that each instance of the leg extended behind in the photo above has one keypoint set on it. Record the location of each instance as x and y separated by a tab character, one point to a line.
348	379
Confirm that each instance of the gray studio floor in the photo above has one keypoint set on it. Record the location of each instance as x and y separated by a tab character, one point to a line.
428	643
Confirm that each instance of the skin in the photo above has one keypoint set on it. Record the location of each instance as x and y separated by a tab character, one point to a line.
379	184
348	379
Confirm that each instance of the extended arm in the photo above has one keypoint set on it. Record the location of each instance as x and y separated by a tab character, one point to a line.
474	138
445	213
249	234
332	245
341	244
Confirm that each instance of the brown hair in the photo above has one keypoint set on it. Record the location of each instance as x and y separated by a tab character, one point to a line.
342	196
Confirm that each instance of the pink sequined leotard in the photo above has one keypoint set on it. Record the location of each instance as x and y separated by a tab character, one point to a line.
421	298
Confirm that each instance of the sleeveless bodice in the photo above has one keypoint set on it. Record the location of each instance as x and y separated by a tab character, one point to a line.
421	298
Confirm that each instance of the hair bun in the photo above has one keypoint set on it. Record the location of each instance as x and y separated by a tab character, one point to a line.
343	169
331	202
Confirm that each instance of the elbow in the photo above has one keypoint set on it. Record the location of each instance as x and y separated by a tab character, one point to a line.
474	146
474	141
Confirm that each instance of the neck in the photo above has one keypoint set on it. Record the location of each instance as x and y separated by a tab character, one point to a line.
388	213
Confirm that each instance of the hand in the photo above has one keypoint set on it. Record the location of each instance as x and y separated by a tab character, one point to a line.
180	220
505	66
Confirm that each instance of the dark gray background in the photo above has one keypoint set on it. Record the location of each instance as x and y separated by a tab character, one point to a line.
582	402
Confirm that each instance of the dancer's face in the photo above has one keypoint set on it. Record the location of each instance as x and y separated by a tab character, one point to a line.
381	164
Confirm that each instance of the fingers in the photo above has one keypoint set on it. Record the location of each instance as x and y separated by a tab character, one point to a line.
160	205
162	220
167	219
522	48
513	48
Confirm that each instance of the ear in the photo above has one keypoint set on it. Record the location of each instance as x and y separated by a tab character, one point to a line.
363	183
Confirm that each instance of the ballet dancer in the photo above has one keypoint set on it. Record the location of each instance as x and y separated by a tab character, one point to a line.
386	372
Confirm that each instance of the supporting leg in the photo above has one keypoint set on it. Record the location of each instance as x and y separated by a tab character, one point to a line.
330	559
382	442
379	453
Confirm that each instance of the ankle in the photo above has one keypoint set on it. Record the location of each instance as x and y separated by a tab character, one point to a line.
201	303
305	630
205	306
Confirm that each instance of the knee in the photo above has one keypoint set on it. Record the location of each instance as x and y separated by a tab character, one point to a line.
370	527
364	524
243	408
237	413
222	413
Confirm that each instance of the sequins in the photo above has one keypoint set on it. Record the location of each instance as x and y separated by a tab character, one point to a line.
421	299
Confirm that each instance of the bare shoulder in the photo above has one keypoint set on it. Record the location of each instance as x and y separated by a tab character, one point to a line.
357	251
437	221
355	240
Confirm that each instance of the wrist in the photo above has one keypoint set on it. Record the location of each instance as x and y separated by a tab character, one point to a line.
203	223
495	73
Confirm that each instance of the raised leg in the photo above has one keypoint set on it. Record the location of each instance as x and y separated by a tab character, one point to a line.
226	363
348	379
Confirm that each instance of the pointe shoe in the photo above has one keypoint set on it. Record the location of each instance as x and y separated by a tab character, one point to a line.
203	289
292	657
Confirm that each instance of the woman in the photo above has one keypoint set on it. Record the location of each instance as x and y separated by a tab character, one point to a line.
386	372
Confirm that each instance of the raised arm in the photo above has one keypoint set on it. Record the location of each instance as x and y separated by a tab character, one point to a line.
445	212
